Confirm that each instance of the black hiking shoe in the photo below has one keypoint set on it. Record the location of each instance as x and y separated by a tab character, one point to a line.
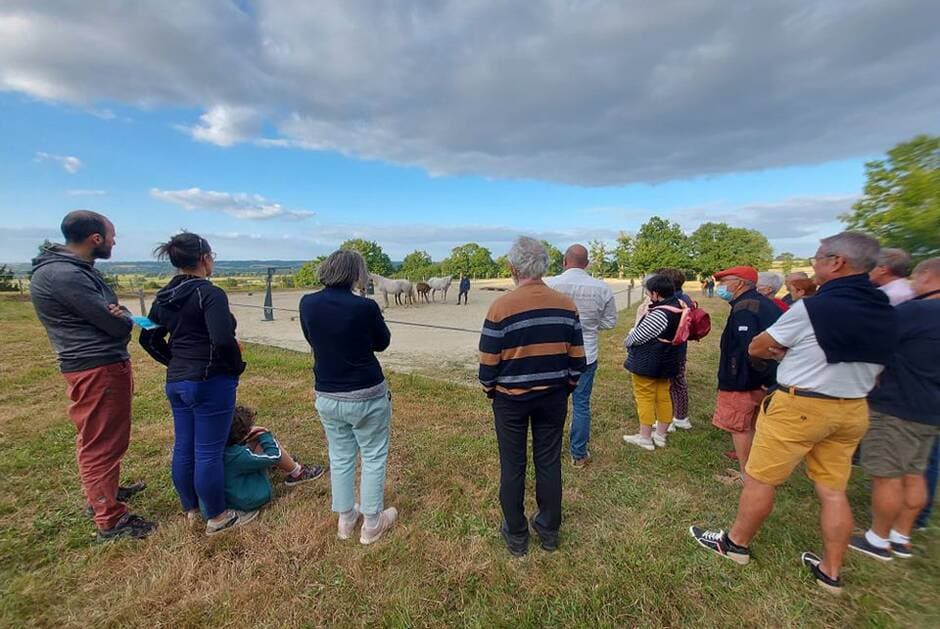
548	539
823	580
129	525
307	472
861	544
719	543
518	545
124	494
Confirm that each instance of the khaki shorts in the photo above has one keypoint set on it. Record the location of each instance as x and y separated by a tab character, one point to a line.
895	447
736	411
823	432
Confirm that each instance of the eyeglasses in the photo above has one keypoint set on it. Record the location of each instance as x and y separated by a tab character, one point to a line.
816	259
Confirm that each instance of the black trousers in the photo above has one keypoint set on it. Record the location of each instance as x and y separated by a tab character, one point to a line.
546	414
464	295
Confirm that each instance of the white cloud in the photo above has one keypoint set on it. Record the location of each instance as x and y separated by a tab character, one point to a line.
239	204
83	192
70	163
225	126
578	92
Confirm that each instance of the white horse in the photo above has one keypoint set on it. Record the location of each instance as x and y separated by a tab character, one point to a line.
407	291
439	284
388	286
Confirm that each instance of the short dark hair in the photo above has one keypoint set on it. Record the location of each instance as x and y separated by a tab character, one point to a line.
677	276
183	250
242	423
661	285
78	225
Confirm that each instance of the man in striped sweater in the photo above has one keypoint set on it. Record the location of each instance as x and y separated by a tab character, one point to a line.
531	356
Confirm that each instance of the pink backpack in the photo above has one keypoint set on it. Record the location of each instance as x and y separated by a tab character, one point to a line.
694	323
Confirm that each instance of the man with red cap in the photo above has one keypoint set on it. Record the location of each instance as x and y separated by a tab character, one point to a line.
742	382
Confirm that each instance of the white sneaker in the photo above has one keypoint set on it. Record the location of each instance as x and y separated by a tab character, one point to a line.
684	424
344	530
235	519
386	521
659	440
639	440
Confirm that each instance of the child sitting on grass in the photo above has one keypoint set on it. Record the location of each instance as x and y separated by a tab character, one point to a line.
250	453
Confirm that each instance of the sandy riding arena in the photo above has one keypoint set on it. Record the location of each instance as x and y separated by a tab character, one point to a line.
439	353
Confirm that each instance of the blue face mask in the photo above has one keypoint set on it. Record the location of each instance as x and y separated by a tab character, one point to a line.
724	293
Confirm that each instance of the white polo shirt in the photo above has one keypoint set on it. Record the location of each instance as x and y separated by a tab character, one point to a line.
595	301
804	366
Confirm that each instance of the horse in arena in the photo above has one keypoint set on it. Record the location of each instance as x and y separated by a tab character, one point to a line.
439	284
407	292
424	292
388	286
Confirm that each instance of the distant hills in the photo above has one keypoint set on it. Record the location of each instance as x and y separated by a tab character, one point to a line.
162	269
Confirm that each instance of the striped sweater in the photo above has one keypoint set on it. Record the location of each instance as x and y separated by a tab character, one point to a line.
530	344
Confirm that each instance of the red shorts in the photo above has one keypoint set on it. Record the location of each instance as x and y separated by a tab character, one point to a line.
736	411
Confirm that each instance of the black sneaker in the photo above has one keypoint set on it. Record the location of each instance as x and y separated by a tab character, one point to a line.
823	580
902	551
860	543
548	539
719	543
307	472
129	525
124	493
518	545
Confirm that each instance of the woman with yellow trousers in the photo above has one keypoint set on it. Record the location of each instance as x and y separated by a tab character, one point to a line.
652	361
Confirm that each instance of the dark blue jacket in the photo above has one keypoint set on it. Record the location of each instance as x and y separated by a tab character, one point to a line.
909	387
202	345
656	358
751	314
345	331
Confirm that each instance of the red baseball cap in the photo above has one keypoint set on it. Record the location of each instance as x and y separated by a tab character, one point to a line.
744	272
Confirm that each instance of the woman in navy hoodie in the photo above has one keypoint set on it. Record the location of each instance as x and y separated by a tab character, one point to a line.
203	362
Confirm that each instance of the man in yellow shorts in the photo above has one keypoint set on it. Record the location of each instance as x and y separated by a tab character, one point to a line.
831	349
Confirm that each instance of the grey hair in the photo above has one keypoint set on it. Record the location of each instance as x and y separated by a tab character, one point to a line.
343	269
798	275
897	261
859	250
773	280
930	265
529	258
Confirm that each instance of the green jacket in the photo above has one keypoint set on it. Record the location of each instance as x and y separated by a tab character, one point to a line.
247	486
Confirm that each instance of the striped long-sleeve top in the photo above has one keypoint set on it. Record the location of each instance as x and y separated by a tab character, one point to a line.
531	343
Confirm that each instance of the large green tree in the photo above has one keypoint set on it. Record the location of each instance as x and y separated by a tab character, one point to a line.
417	266
623	255
599	256
377	259
901	204
716	246
556	258
471	260
306	276
660	243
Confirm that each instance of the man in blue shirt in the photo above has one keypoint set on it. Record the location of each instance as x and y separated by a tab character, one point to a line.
905	422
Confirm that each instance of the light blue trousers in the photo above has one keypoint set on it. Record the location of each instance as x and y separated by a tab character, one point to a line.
357	427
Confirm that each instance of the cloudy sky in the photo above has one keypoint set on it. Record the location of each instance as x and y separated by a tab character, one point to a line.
280	128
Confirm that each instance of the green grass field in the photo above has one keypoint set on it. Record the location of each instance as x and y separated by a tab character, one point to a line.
625	560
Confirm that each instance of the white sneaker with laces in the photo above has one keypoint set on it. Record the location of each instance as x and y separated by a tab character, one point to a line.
386	521
639	440
659	440
345	529
684	424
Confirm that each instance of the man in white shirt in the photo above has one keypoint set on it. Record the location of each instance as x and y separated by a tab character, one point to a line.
832	348
890	275
597	311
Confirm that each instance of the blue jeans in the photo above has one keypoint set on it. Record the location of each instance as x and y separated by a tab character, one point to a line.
202	418
357	427
581	412
933	466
